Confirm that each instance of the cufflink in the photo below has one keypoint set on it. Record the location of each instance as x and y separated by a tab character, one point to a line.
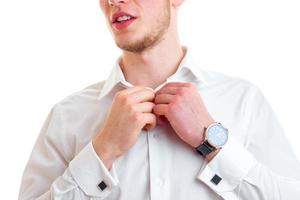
216	179
102	185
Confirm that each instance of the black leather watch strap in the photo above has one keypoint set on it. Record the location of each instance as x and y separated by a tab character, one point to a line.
205	148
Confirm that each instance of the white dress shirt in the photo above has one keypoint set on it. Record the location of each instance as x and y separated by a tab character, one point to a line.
257	162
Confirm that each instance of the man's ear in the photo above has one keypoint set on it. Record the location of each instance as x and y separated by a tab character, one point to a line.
176	3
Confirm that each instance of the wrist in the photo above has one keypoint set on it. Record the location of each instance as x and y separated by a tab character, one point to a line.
208	122
211	155
104	154
200	135
215	138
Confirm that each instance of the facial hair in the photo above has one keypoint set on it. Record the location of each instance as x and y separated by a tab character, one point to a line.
154	36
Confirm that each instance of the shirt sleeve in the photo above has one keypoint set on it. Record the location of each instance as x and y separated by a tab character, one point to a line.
262	167
52	173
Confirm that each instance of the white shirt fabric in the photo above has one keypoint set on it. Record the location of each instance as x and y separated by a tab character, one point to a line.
256	163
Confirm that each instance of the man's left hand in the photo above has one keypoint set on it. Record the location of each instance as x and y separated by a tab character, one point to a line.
183	107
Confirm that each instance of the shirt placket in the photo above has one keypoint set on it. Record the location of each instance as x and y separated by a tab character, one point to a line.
157	180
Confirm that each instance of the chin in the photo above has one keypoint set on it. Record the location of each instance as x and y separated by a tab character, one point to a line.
125	40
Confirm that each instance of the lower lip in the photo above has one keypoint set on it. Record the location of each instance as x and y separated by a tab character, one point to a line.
123	25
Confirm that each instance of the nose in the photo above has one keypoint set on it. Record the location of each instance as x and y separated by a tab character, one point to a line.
116	2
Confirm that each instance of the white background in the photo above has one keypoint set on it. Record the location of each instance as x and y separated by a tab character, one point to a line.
50	49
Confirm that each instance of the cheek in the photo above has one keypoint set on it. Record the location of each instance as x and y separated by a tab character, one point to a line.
154	13
150	19
104	6
149	9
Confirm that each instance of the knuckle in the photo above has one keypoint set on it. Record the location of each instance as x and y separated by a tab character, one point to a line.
183	91
131	108
137	117
132	116
191	85
171	108
126	101
187	90
177	100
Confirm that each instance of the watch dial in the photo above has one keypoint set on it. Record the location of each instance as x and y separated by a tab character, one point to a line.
217	135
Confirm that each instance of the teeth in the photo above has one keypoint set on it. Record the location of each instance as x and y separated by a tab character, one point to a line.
123	18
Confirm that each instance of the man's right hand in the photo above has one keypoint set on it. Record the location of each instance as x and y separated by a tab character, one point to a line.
131	110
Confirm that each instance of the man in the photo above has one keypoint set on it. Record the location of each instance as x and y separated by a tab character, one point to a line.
159	127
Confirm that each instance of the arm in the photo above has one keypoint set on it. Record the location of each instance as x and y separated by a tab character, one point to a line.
52	172
264	167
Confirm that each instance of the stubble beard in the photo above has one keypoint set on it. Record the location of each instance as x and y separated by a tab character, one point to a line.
153	37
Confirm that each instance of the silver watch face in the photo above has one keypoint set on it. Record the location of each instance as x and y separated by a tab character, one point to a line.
217	135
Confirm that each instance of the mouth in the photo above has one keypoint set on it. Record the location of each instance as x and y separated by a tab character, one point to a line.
122	20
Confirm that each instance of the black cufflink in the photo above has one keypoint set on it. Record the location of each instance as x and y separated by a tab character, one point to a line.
216	179
102	185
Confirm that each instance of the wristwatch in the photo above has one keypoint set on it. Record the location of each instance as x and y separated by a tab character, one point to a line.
216	136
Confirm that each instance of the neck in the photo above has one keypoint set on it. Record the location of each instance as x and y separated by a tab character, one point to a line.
152	67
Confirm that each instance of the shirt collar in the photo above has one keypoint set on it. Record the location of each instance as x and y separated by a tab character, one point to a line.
116	76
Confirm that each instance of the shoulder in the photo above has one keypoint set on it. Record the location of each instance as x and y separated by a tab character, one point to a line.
71	117
86	94
74	106
231	84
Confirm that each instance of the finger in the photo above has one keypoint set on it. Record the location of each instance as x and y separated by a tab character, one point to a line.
149	120
148	127
167	90
145	107
142	95
160	109
177	84
161	119
164	98
131	90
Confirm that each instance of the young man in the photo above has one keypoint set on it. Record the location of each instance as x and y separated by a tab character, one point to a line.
159	127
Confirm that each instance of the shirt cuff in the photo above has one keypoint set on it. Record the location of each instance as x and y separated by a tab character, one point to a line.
228	168
90	173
